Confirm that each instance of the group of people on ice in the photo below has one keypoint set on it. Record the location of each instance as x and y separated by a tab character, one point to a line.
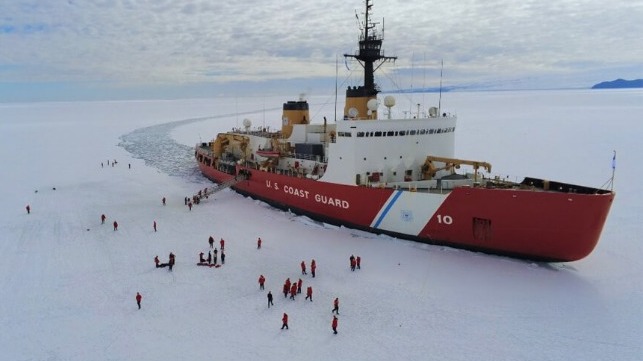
213	256
292	289
355	262
196	199
333	323
169	264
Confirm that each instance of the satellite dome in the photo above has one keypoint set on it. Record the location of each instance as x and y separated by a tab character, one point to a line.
372	104
389	101
247	123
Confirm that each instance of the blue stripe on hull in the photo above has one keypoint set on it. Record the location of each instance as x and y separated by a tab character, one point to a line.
387	209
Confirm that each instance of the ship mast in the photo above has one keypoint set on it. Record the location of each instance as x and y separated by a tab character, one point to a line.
370	57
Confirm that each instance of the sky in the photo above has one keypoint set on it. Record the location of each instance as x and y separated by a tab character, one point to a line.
166	49
69	283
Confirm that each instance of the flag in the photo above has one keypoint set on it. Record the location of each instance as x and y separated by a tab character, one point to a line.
614	161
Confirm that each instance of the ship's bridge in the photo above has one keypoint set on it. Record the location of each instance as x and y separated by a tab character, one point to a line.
394	149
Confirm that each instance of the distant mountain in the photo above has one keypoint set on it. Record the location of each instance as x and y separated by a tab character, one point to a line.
619	84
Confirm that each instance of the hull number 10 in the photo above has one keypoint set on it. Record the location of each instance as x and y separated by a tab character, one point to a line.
444	219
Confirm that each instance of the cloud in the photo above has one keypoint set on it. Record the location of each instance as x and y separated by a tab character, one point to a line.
174	41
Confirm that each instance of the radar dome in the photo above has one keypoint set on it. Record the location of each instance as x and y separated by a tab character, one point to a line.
353	112
247	123
372	105
389	101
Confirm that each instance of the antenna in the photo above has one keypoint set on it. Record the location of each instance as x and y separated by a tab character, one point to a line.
336	75
440	97
613	171
423	76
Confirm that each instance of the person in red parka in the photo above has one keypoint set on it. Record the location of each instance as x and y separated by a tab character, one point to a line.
156	261
299	283
313	267
211	242
284	321
262	279
138	300
309	293
222	243
115	225
259	243
358	262
303	268
334	324
286	289
336	305
293	291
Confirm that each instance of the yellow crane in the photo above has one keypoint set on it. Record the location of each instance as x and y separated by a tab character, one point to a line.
429	169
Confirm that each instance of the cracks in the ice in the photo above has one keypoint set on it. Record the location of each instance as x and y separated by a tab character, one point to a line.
155	146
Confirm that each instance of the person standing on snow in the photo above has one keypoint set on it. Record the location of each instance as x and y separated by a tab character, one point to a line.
293	291
336	306
262	279
222	243
334	324
201	259
209	257
259	243
211	242
303	268
28	208
309	293
222	257
286	289
156	261
215	256
313	267
138	300
353	263
115	225
270	299
284	321
163	200
154	225
358	261
102	219
299	283
171	262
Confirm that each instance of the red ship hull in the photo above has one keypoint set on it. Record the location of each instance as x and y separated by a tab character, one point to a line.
531	224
